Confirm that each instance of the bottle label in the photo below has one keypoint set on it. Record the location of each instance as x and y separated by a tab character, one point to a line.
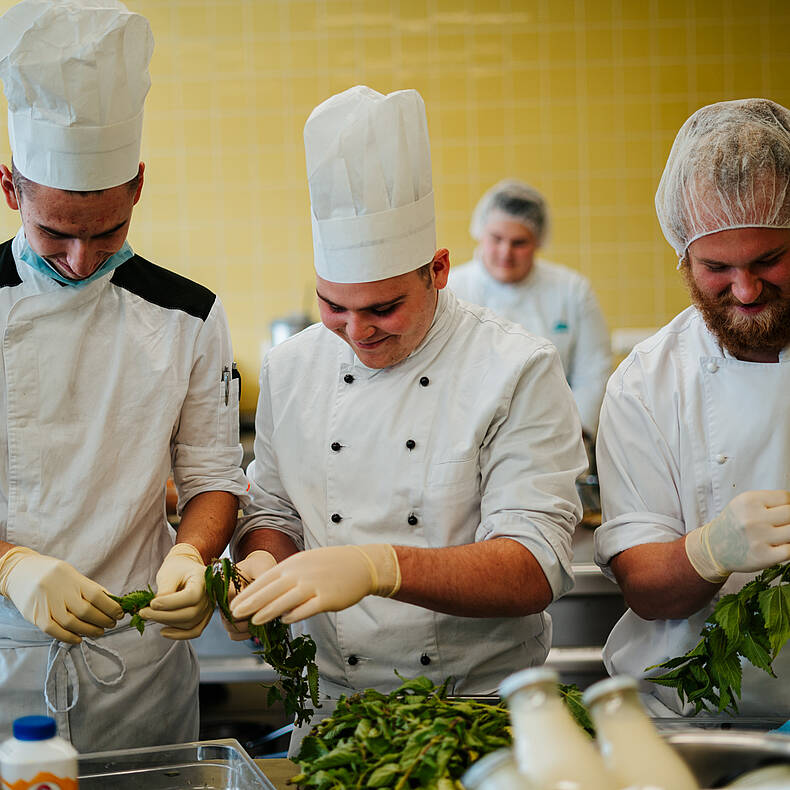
43	780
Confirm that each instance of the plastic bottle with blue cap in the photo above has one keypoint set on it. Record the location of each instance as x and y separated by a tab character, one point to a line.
37	757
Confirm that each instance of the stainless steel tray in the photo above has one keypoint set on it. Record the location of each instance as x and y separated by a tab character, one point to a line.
208	765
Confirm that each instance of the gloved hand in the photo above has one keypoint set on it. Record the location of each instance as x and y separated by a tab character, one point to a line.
255	564
750	534
56	597
320	580
181	601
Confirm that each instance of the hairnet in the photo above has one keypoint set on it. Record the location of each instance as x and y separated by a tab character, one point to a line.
729	167
516	199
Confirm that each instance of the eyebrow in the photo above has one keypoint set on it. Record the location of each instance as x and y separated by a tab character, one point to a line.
376	306
765	256
108	232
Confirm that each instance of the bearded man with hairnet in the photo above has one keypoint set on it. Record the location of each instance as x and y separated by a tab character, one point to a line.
694	438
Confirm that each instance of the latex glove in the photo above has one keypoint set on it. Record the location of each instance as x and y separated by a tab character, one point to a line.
181	601
255	564
750	534
53	595
320	580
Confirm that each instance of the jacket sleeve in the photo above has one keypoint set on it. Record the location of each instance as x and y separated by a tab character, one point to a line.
269	506
529	462
591	359
637	470
205	449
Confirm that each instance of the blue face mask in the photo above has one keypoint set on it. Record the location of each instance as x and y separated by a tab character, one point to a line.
38	263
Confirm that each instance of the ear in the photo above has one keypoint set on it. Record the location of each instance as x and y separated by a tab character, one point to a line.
440	269
140	179
7	185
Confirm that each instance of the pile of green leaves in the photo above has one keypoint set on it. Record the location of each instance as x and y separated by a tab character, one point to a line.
753	623
132	602
292	658
413	737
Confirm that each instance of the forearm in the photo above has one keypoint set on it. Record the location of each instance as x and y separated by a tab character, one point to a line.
495	578
208	522
659	583
277	543
5	547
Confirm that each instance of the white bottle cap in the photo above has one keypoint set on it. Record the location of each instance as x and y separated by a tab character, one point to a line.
609	686
527	677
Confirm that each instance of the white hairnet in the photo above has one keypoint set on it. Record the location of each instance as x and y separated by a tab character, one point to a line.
729	167
516	199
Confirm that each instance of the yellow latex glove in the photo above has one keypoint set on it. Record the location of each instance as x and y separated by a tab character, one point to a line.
56	597
181	602
750	534
255	564
320	580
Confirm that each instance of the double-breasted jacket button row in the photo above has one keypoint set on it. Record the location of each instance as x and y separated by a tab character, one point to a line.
424	380
412	520
425	659
336	447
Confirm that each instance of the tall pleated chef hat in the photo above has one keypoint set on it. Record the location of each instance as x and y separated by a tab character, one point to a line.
369	173
729	167
75	74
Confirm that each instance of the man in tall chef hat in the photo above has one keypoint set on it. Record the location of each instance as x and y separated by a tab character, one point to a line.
415	456
113	371
694	440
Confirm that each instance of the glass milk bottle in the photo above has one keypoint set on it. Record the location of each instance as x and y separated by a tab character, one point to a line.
635	754
551	749
36	757
496	771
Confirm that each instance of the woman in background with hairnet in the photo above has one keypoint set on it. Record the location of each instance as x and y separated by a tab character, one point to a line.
694	440
511	224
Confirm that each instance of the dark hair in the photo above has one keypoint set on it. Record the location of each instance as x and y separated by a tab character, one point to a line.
25	185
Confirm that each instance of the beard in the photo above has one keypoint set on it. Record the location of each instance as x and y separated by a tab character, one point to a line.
742	334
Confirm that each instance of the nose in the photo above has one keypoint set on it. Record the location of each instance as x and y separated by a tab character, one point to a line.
746	287
82	258
358	327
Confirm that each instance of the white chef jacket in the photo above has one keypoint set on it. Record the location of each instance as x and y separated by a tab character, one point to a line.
496	450
557	303
103	388
685	427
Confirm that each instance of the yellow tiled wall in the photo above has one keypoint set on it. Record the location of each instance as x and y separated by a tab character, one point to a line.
580	97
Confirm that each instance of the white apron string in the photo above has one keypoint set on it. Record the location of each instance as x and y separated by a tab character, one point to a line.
62	676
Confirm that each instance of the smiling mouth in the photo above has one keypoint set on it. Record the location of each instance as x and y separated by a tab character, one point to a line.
369	346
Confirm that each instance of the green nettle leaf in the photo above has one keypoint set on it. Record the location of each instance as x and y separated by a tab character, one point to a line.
775	606
752	624
731	615
133	602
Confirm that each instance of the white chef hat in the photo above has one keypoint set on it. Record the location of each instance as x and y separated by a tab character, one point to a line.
729	167
369	172
75	74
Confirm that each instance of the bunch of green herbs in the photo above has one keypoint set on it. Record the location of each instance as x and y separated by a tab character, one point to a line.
753	623
292	658
413	737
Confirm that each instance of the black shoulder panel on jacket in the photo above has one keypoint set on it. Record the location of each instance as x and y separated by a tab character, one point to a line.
8	271
164	288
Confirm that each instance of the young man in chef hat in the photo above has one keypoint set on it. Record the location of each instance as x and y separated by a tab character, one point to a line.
113	371
415	456
694	443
